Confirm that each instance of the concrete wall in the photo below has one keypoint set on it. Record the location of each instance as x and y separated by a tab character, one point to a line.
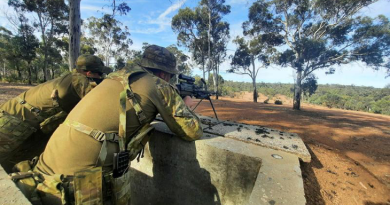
177	172
214	170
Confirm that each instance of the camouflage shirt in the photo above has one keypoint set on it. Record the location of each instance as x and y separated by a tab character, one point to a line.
69	150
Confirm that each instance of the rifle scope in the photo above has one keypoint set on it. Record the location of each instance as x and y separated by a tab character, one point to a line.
187	78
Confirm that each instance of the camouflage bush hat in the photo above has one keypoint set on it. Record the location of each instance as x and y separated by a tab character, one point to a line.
90	63
160	58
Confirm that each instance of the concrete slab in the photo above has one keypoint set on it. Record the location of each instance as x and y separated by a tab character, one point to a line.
9	193
259	135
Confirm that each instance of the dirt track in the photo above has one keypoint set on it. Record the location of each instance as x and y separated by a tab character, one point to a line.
350	150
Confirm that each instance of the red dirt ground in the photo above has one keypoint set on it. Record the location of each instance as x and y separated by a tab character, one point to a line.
350	150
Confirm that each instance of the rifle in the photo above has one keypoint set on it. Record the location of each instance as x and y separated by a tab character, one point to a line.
187	87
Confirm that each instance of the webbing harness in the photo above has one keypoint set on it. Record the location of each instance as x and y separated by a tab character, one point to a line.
97	135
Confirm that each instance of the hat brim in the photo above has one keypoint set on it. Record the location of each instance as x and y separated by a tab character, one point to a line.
150	64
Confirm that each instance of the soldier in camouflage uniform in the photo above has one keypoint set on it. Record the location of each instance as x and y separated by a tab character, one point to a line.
42	108
78	160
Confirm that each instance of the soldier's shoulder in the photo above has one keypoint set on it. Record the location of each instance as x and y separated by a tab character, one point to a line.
126	71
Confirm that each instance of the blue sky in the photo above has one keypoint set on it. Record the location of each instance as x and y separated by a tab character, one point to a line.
149	21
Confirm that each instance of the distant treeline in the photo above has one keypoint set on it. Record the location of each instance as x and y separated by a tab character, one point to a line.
348	97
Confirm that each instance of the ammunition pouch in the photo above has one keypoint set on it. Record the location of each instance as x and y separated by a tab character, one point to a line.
13	132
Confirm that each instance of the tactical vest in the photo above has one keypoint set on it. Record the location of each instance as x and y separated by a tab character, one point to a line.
97	185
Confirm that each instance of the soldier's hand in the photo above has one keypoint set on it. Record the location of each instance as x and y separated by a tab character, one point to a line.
188	101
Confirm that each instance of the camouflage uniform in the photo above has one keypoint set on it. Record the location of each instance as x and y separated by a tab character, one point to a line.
42	108
77	145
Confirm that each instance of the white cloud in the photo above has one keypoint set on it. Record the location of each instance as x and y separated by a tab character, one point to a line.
171	9
162	21
246	2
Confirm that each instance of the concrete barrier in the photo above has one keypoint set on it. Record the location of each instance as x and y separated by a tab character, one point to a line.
231	164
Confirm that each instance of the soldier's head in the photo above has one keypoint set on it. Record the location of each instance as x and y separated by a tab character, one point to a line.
92	67
160	61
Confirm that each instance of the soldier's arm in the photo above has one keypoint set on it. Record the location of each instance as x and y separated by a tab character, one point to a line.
81	85
179	118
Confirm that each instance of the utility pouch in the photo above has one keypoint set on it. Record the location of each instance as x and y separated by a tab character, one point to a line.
120	188
50	124
13	132
139	140
51	190
121	163
88	188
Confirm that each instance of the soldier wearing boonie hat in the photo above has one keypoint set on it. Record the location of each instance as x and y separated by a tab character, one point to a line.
128	101
42	108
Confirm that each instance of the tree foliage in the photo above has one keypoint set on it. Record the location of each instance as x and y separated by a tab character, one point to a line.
110	38
320	34
182	60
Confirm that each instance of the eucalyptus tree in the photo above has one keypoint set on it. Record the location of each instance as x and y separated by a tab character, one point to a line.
204	33
52	20
189	25
217	33
322	33
27	44
75	28
182	59
5	36
109	37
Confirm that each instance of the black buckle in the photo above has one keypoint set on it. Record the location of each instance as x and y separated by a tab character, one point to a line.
36	110
22	102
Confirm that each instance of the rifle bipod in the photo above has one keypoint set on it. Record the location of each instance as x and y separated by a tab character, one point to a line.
211	103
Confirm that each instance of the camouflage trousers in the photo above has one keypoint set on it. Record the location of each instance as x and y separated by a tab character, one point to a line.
13	132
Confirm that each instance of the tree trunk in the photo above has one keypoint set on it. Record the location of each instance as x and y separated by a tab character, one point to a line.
29	72
43	29
254	79
51	71
298	91
36	74
209	46
4	69
204	72
215	82
74	32
19	72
